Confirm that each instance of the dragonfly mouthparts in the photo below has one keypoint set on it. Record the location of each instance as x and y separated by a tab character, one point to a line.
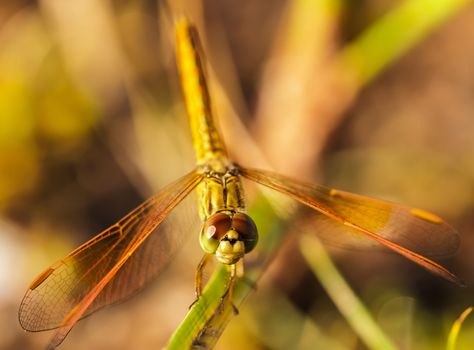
231	248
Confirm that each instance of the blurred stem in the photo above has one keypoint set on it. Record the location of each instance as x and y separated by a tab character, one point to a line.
341	294
394	34
299	58
280	325
300	126
453	334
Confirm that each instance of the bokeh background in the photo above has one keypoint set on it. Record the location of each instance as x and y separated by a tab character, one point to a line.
373	97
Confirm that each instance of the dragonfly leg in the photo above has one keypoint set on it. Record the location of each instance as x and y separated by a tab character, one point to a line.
230	287
198	277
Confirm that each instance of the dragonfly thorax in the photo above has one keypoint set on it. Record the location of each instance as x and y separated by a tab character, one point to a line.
220	192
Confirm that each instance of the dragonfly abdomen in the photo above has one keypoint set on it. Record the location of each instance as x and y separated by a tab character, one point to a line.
206	140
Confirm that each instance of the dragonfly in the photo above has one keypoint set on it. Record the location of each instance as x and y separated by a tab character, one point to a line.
123	258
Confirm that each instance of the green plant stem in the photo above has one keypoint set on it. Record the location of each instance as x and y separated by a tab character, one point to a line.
342	295
393	35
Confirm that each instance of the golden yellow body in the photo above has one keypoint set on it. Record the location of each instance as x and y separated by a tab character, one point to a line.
221	190
207	143
221	197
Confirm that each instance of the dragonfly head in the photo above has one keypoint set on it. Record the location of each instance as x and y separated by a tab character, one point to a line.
228	236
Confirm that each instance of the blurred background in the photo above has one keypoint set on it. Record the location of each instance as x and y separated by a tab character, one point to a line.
372	97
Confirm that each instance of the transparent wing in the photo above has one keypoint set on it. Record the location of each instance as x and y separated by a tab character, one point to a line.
352	220
108	268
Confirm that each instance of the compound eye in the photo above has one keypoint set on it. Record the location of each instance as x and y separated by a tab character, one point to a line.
217	225
214	228
245	226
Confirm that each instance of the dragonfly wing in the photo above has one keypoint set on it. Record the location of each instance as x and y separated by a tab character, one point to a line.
355	220
108	268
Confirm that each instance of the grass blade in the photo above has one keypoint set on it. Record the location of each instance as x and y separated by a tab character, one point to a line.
341	294
453	334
